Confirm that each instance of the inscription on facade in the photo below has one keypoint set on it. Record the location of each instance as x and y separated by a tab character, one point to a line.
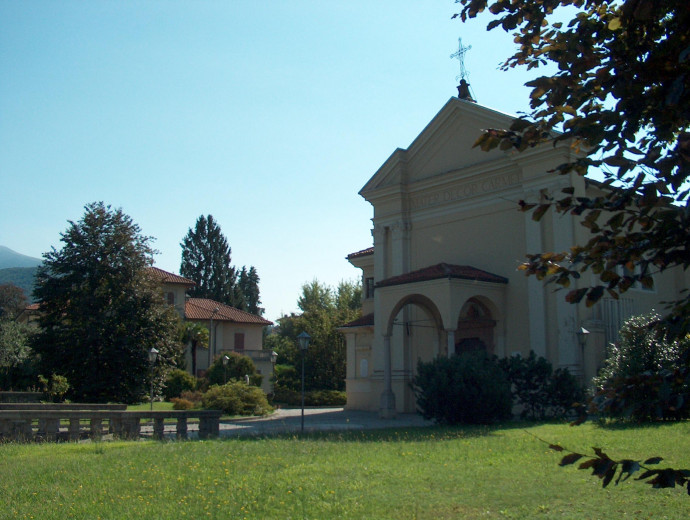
465	191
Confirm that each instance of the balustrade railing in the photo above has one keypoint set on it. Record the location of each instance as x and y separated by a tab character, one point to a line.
31	425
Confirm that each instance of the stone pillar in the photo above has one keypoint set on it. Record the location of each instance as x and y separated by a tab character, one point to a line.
73	432
566	313
52	427
96	425
387	410
450	343
181	427
400	232
381	253
536	306
158	427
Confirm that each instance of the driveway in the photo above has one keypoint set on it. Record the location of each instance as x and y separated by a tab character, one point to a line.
316	419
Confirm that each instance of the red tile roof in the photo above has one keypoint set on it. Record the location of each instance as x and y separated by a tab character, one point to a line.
166	277
363	252
365	321
443	270
203	309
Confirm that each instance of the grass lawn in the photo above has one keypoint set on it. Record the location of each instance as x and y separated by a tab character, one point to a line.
431	473
157	405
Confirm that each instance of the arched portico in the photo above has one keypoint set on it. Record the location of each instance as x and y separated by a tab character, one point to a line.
420	319
476	326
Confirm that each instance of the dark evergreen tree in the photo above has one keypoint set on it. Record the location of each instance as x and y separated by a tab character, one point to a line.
248	283
206	261
101	312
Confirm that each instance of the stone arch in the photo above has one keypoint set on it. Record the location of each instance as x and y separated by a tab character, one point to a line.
476	326
421	301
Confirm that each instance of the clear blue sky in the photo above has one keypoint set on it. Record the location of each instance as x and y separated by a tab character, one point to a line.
269	115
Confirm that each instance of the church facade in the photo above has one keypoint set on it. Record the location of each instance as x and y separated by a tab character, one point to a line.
442	278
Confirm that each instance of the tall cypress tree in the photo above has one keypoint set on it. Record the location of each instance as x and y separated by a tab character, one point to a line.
206	261
101	312
248	282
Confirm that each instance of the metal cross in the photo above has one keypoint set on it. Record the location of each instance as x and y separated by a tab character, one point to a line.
460	55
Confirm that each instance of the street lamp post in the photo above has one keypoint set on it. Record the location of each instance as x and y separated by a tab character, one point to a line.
153	355
303	346
210	337
274	358
226	359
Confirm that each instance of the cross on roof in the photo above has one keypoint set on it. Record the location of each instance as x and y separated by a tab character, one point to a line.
460	55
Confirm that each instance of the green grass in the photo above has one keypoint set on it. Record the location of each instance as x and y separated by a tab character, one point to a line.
157	405
430	473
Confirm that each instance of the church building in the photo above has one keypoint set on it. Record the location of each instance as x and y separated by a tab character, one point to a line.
442	278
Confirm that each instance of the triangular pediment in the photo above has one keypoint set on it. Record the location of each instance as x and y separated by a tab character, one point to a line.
445	145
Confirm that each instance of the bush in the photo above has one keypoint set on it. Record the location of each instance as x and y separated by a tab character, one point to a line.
541	391
54	389
469	388
325	398
177	382
193	396
291	397
238	366
640	348
181	404
313	398
236	398
646	376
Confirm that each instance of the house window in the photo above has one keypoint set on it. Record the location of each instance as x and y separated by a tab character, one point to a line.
171	298
369	288
239	341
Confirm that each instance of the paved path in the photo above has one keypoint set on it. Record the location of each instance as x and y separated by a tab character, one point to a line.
315	419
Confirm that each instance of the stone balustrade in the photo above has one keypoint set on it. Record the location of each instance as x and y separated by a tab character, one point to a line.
56	424
61	406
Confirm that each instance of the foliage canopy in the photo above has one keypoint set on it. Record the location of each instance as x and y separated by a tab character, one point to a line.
620	97
101	311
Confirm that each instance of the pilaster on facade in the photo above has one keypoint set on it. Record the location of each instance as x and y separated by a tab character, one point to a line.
380	235
535	288
566	313
400	235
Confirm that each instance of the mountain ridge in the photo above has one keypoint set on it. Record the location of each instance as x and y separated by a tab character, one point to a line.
10	258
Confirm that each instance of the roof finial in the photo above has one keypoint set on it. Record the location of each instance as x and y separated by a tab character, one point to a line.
464	90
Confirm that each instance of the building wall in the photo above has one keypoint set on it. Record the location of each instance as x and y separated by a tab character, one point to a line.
441	201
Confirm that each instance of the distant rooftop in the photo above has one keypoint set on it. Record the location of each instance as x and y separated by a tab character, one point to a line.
204	309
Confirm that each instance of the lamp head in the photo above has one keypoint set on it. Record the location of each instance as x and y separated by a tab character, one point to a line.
303	339
153	355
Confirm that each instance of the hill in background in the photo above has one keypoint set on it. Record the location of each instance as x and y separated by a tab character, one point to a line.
18	269
22	277
9	258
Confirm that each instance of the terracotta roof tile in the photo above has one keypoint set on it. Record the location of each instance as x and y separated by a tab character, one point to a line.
365	321
363	252
166	277
203	309
443	270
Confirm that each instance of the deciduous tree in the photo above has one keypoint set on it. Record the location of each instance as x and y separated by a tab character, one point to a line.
101	312
323	311
12	300
621	97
